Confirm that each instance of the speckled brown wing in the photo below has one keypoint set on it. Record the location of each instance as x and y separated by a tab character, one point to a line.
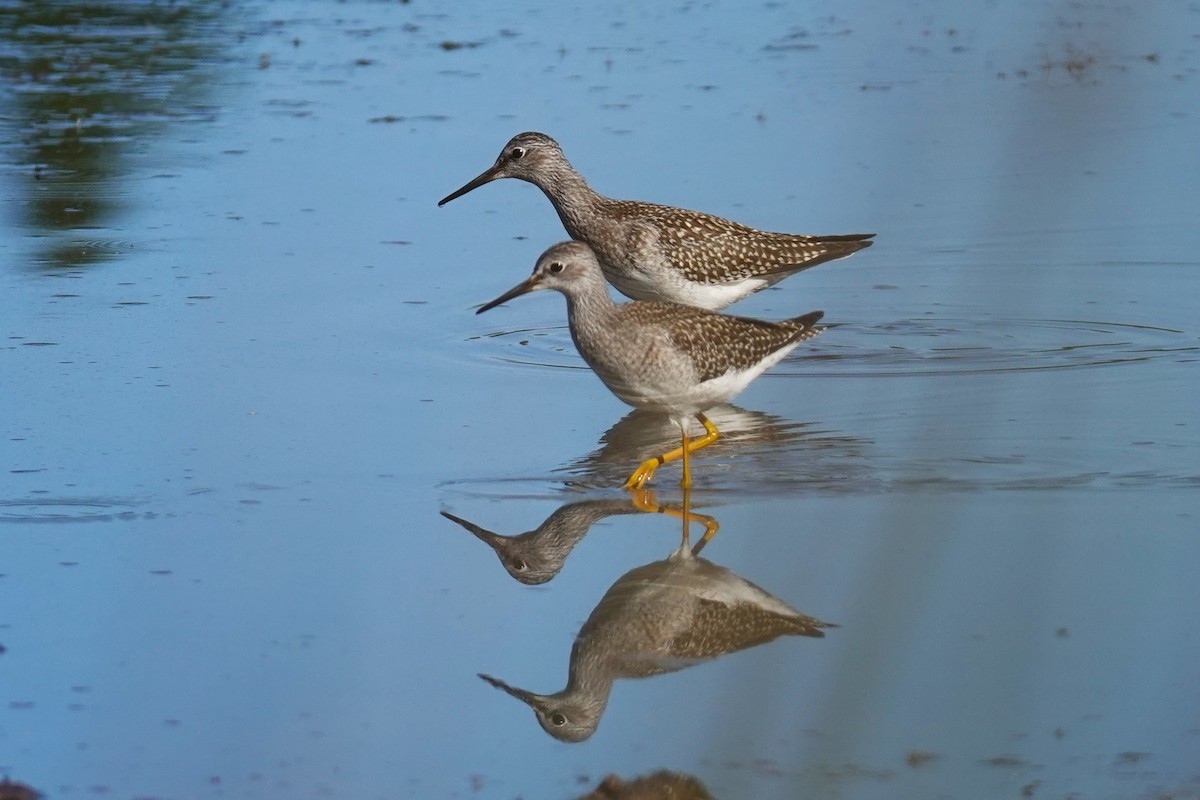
709	249
717	629
717	343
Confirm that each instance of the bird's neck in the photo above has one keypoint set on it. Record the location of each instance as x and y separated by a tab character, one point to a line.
575	201
568	525
590	675
589	302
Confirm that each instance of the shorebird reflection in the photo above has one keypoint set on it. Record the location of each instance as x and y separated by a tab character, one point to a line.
536	556
661	617
810	455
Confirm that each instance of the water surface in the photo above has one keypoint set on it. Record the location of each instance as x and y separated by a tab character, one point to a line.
240	378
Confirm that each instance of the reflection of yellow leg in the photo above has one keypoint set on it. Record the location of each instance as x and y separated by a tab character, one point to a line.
646	471
711	526
644	500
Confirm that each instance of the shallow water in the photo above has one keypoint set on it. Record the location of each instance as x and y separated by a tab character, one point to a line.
240	377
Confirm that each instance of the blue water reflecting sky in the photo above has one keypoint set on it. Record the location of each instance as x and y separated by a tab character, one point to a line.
240	376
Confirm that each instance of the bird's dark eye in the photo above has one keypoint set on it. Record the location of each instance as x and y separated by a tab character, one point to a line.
516	153
556	267
519	565
558	720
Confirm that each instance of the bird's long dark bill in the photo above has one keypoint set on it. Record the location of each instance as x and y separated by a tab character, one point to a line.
529	698
516	291
487	176
482	533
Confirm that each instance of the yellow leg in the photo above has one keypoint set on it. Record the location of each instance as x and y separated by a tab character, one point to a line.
686	481
646	471
644	500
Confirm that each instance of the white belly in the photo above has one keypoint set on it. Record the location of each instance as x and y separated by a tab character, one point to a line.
667	284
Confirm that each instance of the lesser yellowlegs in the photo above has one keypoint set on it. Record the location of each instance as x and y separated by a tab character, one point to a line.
659	618
655	252
661	356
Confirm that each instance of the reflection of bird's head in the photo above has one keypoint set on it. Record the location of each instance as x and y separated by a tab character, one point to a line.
520	558
538	555
568	718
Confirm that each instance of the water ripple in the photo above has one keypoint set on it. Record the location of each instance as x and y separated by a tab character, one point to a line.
71	509
920	347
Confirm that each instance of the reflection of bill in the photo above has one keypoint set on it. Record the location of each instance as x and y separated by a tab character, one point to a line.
658	618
